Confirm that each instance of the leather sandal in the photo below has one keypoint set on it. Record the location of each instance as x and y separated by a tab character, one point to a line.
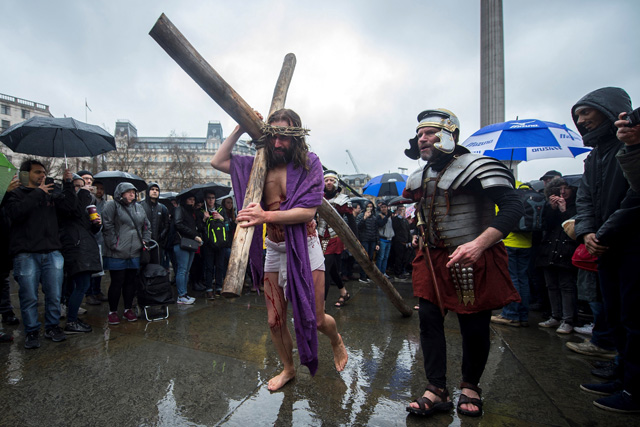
342	301
428	407
464	399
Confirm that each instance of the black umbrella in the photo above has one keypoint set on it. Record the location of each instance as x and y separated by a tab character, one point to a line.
198	190
573	180
362	201
398	200
111	179
168	195
57	137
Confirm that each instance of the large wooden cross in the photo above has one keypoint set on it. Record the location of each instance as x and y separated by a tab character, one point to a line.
179	48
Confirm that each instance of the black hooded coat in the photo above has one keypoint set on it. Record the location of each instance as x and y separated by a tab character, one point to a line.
605	205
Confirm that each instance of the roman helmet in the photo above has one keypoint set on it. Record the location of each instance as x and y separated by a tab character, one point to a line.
449	133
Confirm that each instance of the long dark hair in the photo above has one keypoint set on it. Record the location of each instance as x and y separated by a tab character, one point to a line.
299	147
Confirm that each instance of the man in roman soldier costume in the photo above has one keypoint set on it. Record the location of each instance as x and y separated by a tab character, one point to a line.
461	264
332	246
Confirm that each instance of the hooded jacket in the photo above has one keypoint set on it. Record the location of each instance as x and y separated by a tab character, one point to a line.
158	216
603	187
121	240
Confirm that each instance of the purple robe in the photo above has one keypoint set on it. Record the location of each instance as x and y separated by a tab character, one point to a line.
304	190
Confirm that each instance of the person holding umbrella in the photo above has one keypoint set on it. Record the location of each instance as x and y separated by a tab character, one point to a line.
125	230
35	246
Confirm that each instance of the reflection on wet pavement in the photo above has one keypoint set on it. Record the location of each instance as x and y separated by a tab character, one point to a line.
209	364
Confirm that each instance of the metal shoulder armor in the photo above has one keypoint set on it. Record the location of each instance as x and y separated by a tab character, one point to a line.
414	181
489	171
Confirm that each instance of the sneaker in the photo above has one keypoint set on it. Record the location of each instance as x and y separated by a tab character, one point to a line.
551	323
55	334
82	310
590	349
187	300
363	280
130	315
564	328
32	340
603	389
499	319
10	319
609	373
618	402
92	300
76	328
584	330
114	319
63	311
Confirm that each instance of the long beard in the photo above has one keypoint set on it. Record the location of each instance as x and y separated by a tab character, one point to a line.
278	157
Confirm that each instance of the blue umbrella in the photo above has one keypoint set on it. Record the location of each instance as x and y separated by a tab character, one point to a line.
526	140
387	184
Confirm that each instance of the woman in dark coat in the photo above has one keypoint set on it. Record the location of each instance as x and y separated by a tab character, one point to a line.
79	249
186	225
555	254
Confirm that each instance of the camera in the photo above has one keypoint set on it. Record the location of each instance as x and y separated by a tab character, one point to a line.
633	118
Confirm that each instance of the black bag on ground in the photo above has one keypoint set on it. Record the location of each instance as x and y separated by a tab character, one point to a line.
533	203
154	287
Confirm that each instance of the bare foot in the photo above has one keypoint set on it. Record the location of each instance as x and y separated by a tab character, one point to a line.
340	355
280	380
472	394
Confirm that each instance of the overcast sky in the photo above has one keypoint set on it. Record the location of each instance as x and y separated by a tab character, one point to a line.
365	68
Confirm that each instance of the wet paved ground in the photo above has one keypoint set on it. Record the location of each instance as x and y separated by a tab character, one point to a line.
209	364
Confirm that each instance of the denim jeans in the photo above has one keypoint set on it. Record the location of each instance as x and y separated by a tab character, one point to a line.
519	272
370	247
80	283
383	255
31	269
184	260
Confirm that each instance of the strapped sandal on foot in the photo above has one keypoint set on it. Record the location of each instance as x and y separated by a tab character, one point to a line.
342	301
464	399
428	407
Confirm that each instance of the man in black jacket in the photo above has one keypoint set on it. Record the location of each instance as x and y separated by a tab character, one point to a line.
607	224
35	246
158	216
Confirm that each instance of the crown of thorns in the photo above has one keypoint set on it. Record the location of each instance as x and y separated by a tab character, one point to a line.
284	130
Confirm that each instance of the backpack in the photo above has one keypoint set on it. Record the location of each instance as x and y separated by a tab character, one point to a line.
218	234
533	203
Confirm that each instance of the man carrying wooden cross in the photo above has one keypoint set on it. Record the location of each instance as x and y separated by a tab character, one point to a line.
294	266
